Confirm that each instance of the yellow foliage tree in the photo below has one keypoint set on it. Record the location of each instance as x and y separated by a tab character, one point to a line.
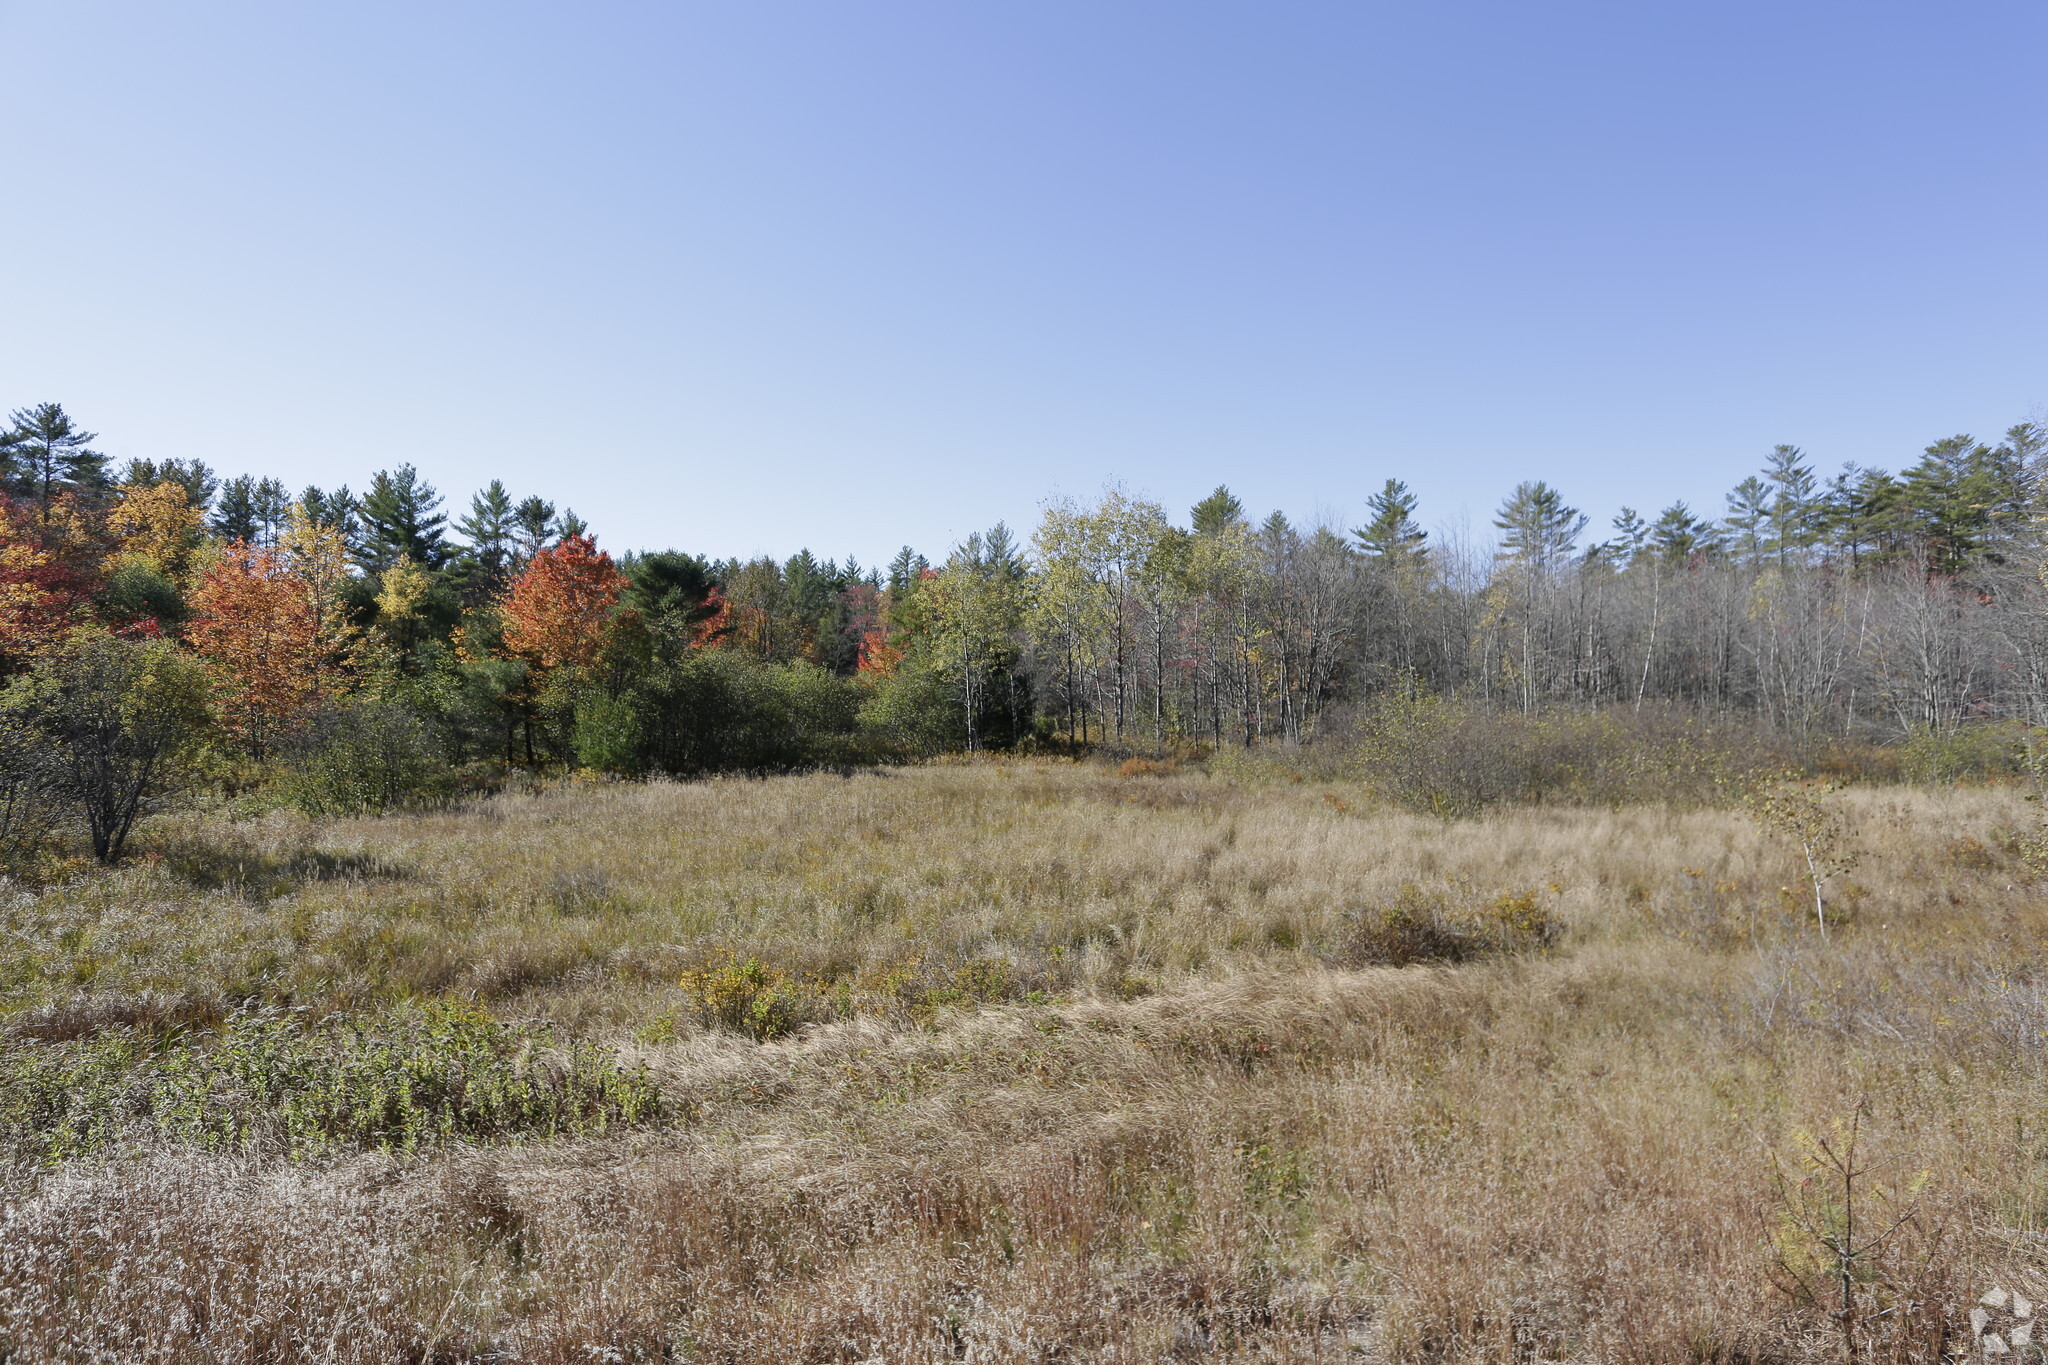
159	524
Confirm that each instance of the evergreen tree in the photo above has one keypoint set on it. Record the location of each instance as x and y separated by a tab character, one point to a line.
1950	495
1879	512
1631	533
235	515
2028	444
1540	530
338	509
1678	535
1749	517
1392	536
489	529
51	454
1794	505
10	459
271	504
193	476
669	591
1215	512
534	525
401	517
906	569
1835	521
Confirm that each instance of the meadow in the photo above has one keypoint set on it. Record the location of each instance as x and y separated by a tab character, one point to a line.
1024	1060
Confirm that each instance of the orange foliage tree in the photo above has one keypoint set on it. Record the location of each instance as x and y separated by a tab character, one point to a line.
257	626
561	611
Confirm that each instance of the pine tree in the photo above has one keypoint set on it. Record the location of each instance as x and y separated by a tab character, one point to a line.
273	504
235	516
489	530
671	593
53	455
1678	535
1540	530
1392	536
1216	512
193	476
1794	505
401	517
1749	514
1631	533
535	522
906	570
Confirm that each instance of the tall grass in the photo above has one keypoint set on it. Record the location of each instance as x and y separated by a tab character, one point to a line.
1016	1061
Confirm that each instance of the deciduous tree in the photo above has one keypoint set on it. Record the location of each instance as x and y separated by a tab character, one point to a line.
255	625
561	610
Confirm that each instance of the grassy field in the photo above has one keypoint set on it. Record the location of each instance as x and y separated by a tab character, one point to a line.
1022	1062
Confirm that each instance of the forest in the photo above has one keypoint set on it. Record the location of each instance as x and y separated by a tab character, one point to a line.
167	626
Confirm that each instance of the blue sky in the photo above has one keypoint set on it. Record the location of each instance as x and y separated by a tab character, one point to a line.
747	277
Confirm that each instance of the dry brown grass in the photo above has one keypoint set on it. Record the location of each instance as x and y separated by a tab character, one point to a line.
1076	1070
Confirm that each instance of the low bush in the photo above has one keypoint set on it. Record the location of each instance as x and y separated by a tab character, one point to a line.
264	1082
1440	925
362	756
716	711
31	799
1454	759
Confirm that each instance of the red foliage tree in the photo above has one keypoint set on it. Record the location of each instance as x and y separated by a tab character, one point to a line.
41	597
711	632
562	610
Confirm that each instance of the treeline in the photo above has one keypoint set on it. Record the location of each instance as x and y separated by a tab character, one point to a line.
364	648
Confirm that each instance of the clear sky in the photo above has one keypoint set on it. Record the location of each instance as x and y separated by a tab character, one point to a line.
744	277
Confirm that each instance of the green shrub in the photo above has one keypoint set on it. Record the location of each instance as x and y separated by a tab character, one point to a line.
363	755
914	711
1972	751
719	711
31	801
448	1071
748	996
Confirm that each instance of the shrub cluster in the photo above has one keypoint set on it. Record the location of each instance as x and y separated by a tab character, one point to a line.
266	1082
1440	925
1454	759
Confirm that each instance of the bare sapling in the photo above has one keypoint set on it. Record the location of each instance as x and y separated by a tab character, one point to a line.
1805	813
1836	1222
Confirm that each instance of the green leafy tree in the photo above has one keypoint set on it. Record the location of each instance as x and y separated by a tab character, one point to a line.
977	605
122	716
